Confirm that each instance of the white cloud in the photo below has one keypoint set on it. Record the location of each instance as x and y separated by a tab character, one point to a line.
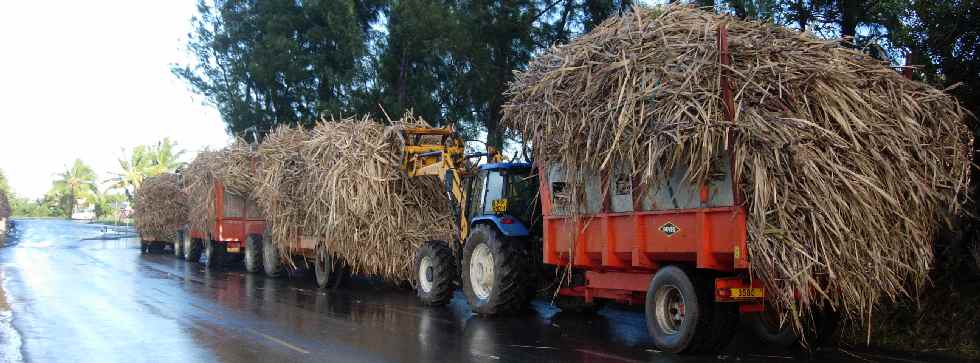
83	79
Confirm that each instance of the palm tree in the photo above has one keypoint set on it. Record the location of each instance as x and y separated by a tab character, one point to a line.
145	162
78	182
165	157
133	172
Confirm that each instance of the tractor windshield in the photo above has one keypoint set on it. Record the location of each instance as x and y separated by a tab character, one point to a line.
517	186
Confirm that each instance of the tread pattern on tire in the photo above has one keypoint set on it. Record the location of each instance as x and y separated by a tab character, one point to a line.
270	256
511	271
218	254
179	245
443	273
193	252
253	247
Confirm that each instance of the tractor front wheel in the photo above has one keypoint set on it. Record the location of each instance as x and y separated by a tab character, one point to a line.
436	271
495	272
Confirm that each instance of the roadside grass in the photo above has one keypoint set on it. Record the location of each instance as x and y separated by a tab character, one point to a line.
945	320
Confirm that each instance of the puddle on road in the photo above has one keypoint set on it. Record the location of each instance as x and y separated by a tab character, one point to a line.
10	341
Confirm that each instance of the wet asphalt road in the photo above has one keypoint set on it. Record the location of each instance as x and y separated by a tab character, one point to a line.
70	292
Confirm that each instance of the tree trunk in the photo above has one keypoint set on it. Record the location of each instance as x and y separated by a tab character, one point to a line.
848	17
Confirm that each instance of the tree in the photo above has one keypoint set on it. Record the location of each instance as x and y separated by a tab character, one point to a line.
134	170
415	64
263	63
164	157
145	161
4	185
77	182
105	203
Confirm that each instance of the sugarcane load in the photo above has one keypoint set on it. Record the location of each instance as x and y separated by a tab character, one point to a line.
831	172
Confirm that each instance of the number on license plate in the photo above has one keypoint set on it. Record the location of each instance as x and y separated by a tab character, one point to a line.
745	292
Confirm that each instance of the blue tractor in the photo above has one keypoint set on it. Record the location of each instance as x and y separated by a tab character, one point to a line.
496	211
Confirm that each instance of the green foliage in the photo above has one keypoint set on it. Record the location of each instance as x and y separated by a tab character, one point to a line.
4	185
76	183
107	204
267	62
145	161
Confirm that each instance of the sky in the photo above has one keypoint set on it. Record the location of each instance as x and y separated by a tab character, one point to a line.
85	79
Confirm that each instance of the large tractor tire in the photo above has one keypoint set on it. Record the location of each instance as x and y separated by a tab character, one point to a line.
435	271
178	245
253	253
214	253
682	316
495	272
270	257
192	248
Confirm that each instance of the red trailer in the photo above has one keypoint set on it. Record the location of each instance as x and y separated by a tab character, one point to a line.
676	248
236	220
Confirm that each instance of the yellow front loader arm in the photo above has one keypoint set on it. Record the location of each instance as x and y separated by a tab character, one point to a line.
439	151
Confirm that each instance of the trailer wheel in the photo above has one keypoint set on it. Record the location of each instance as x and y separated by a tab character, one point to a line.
270	257
144	248
253	252
156	247
682	316
766	326
178	245
192	248
435	270
214	253
495	271
329	273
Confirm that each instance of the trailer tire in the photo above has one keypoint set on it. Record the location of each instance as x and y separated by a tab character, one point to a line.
494	272
765	326
270	257
682	316
156	247
328	272
178	245
192	248
144	247
214	253
253	253
435	272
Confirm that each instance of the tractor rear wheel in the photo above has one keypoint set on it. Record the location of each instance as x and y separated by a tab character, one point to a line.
253	253
495	272
682	316
435	270
270	257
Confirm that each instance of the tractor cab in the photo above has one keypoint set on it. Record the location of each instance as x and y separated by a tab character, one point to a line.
505	195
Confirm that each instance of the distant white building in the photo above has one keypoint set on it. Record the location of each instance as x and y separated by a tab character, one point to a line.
83	211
